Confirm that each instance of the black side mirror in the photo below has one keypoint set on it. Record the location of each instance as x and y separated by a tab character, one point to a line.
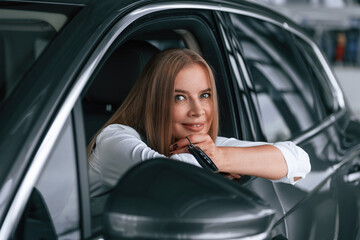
165	199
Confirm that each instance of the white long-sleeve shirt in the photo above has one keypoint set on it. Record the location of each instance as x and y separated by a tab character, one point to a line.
119	147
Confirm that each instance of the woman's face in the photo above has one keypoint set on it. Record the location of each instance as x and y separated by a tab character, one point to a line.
193	102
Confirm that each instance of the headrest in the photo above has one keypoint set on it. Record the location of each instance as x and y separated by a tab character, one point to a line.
119	73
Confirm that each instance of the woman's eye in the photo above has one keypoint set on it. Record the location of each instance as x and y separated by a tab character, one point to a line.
205	95
179	98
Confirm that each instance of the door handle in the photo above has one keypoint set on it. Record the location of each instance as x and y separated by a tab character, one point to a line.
353	175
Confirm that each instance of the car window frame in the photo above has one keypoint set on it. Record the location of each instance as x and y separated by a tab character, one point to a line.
334	85
191	21
328	87
37	166
128	33
247	109
317	101
335	88
304	75
82	170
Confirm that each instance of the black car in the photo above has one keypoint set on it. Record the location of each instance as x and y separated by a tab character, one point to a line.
65	66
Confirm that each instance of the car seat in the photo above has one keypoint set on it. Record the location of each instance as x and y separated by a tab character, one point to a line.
113	83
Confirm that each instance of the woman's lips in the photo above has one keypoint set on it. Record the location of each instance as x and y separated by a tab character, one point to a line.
196	127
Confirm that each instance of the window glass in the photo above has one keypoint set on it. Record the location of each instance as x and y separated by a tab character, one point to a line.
286	102
52	211
24	34
235	64
318	76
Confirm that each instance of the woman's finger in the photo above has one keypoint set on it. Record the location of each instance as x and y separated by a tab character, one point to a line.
231	175
179	144
199	138
194	139
203	141
179	150
234	175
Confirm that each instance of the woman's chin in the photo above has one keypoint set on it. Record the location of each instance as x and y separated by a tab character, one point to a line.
184	134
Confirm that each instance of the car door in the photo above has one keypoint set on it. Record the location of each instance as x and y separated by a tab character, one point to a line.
56	208
40	187
287	107
178	26
345	139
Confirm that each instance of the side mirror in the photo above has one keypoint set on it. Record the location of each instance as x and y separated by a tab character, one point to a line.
166	199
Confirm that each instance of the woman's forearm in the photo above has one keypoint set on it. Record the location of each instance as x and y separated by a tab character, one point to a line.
264	161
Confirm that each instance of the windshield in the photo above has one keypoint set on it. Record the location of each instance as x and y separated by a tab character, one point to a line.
25	32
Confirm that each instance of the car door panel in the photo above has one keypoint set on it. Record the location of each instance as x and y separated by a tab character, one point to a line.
272	67
347	178
266	190
349	201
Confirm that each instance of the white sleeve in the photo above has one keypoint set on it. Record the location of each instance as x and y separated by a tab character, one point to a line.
186	157
297	160
119	147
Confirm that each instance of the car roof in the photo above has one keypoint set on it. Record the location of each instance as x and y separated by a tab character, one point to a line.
130	4
60	1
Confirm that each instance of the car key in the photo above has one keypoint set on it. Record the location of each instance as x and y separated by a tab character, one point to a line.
201	157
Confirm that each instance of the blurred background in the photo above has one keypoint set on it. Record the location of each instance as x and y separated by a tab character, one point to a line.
335	26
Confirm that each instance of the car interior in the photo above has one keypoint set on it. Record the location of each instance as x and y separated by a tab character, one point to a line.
118	73
117	76
128	60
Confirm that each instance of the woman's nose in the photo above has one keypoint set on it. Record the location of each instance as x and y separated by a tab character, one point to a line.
196	108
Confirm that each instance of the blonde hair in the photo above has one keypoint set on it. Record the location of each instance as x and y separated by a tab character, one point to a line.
148	107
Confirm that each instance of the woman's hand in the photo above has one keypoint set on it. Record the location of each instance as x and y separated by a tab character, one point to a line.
232	176
201	140
207	145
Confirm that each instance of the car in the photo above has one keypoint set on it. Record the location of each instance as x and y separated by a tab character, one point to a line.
66	65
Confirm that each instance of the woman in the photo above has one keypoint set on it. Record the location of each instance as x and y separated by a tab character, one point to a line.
174	98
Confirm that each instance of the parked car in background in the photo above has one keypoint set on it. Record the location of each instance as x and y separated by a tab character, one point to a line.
65	66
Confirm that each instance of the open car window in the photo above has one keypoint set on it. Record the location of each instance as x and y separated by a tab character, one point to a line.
120	67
